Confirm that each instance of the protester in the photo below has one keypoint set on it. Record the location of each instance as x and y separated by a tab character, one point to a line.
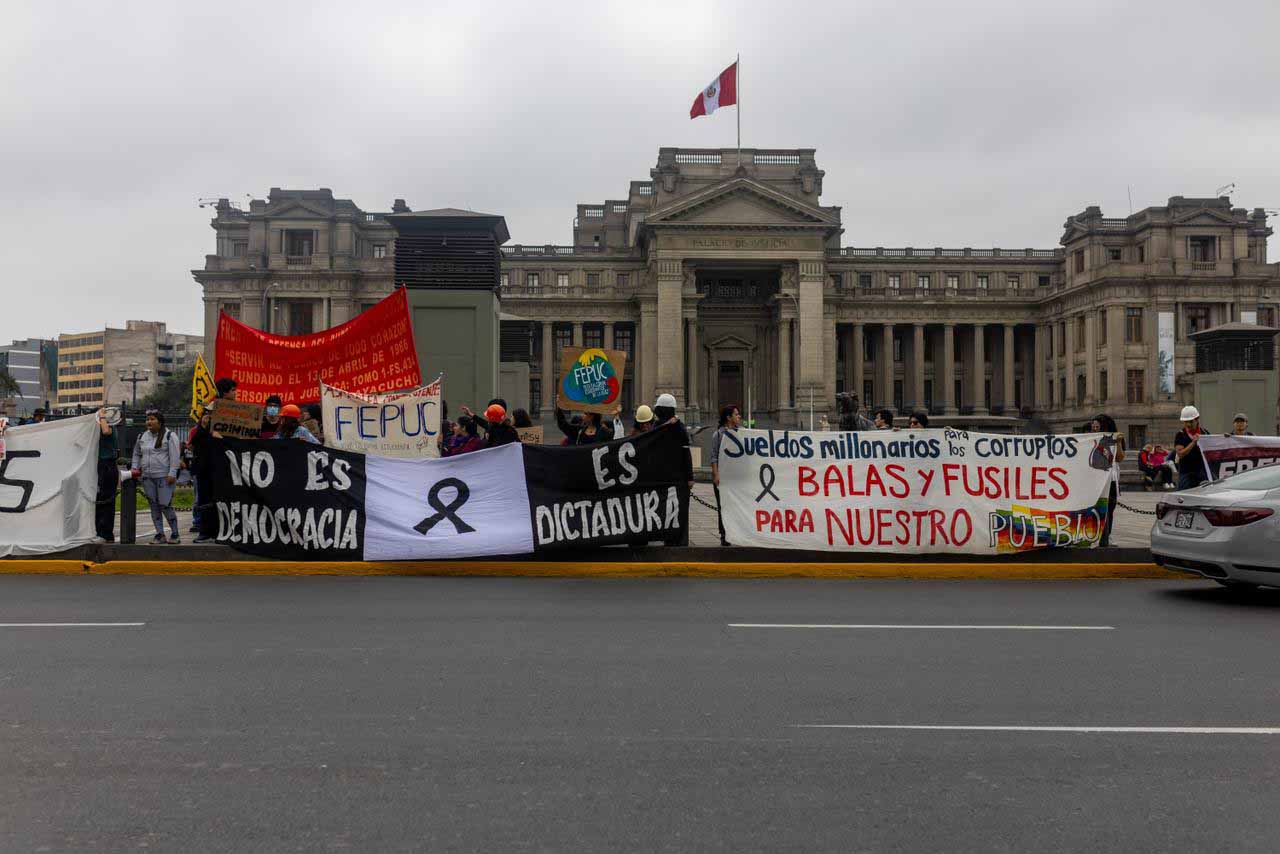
199	441
155	465
664	412
226	388
643	420
884	419
37	417
104	517
1103	423
1240	425
290	426
1186	450
313	420
463	439
520	419
270	417
730	419
500	430
482	423
918	420
1155	472
850	418
589	431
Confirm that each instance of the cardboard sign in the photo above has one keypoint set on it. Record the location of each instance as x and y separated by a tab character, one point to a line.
406	424
529	435
591	379
236	419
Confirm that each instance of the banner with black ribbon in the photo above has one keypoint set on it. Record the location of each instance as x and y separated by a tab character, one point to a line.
629	491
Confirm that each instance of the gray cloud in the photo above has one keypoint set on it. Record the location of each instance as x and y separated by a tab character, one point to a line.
981	123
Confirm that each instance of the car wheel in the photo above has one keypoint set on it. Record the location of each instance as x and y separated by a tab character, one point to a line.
1238	586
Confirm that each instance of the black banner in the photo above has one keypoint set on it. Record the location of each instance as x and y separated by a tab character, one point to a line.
628	491
288	499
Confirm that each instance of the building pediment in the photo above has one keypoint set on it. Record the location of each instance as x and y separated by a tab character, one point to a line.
741	201
730	342
1205	217
298	209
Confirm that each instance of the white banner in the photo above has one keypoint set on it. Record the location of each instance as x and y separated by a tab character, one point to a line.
489	484
48	486
1166	335
913	491
1228	455
405	424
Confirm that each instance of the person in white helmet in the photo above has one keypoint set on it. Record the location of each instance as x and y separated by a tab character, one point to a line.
1186	450
664	412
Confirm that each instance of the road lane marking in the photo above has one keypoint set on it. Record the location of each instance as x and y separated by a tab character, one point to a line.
917	626
68	625
1175	730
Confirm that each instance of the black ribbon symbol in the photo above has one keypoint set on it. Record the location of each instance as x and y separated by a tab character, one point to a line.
767	483
449	511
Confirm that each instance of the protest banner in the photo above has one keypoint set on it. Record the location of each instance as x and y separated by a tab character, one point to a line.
1228	455
236	419
48	486
299	501
370	354
912	492
405	424
203	389
591	379
530	435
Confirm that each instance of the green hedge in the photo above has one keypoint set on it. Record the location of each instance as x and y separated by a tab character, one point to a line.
184	497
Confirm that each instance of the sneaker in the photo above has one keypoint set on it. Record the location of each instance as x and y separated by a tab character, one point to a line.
158	540
173	539
194	529
203	539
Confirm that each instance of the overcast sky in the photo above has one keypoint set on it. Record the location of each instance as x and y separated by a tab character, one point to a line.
938	124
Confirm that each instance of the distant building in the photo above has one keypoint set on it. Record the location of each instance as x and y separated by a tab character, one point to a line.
33	363
727	280
89	362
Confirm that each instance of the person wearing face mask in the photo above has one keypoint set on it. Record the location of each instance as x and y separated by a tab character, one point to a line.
271	417
291	426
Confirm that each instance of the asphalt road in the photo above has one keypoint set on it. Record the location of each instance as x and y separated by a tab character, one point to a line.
433	714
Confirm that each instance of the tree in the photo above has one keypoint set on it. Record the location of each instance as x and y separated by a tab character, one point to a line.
173	395
8	385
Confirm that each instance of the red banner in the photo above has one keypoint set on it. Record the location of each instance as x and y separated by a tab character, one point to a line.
370	354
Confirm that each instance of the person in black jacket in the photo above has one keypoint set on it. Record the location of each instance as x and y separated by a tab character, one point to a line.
590	430
500	430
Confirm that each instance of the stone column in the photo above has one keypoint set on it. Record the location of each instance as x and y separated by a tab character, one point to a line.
979	370
608	334
548	368
859	365
784	358
811	349
669	331
1038	369
885	392
1091	391
695	364
1069	362
647	349
1116	374
211	310
1151	340
1006	371
577	333
948	368
917	365
827	391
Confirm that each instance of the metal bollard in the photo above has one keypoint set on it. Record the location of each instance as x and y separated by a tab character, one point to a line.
128	512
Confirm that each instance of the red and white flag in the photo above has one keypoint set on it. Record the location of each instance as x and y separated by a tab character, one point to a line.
723	92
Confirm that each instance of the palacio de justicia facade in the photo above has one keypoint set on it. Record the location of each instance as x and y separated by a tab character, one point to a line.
726	280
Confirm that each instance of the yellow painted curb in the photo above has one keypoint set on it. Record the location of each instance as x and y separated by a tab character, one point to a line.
43	567
636	569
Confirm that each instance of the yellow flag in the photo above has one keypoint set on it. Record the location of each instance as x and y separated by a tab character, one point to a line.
202	389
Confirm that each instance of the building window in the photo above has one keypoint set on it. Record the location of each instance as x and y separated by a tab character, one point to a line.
1137	436
928	347
593	336
1132	325
895	281
1202	248
299	243
897	349
922	281
897	395
562	280
1015	283
837	279
953	281
1266	315
1142	259
984	281
1197	318
239	249
593	280
1080	330
1078	257
379	250
531	281
1044	281
623	340
503	279
864	280
301	317
1079	389
1102	385
986	394
623	280
1135	385
563	336
868	350
958	391
928	395
232	309
1113	254
1062	390
1102	327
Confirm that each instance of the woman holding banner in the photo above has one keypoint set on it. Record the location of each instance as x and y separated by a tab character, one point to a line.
730	419
1113	443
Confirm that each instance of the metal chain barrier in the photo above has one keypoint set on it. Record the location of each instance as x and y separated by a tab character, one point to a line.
705	504
1124	506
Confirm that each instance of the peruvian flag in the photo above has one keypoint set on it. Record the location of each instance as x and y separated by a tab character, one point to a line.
723	92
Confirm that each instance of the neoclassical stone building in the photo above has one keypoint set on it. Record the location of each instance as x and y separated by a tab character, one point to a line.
726	280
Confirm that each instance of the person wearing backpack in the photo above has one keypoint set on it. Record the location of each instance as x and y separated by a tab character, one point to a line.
155	464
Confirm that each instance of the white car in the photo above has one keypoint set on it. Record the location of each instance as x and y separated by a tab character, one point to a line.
1227	530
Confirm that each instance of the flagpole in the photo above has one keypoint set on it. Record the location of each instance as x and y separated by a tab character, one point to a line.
737	85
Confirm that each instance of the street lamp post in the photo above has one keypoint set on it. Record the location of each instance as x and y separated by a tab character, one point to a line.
133	377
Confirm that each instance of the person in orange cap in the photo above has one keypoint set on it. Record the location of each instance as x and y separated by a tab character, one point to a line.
500	430
290	426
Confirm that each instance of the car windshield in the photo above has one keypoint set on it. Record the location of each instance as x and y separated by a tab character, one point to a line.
1267	477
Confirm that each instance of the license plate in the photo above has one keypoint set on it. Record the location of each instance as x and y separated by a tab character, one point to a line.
1183	519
